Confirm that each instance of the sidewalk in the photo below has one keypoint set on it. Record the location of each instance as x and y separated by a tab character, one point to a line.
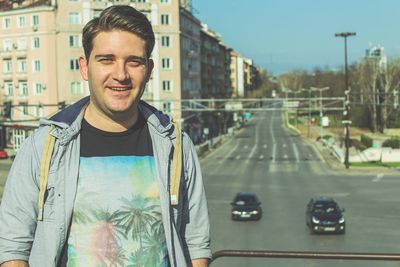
332	161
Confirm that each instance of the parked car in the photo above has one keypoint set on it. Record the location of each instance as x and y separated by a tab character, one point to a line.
3	154
246	206
323	215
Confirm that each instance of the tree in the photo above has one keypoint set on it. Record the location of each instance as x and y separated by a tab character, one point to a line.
367	77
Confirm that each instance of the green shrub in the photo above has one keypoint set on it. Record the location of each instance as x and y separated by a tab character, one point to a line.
327	137
358	144
366	140
393	142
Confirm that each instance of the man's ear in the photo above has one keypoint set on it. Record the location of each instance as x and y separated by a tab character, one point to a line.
150	67
83	67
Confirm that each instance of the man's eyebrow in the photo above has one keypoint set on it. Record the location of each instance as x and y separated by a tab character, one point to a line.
104	56
138	58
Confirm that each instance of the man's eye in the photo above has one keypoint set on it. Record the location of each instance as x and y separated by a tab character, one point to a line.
135	63
105	60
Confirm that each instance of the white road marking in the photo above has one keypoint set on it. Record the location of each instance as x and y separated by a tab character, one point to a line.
273	152
285	156
237	157
296	153
230	153
252	152
378	178
265	146
261	156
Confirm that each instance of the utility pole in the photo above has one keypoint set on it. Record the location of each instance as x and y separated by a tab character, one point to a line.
346	116
320	106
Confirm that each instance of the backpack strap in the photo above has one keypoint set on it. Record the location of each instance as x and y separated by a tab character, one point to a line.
44	169
176	166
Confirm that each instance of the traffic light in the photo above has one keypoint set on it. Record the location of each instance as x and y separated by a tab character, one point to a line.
7	109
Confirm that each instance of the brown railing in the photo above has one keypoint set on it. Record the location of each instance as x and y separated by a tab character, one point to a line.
306	255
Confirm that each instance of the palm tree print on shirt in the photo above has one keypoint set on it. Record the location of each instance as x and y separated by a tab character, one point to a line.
129	233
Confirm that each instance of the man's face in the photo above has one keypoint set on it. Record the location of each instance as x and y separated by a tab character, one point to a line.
117	72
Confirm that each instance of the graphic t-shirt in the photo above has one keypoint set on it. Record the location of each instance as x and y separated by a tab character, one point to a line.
117	215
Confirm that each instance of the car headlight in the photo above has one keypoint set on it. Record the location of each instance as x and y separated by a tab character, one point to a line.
235	212
254	212
314	220
341	220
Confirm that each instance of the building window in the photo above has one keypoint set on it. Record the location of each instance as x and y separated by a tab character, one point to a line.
165	41
166	86
164	1
166	63
23	88
74	18
142	1
35	20
165	19
36	65
24	108
96	13
74	41
21	21
6	23
7	44
39	111
73	64
21	44
7	66
22	65
167	107
76	88
37	88
8	88
35	42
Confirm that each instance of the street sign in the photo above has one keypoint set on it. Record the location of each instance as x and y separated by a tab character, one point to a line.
346	122
233	106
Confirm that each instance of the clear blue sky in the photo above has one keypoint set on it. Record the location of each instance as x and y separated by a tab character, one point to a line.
281	35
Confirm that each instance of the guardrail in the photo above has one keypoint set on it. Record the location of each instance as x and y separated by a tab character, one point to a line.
306	255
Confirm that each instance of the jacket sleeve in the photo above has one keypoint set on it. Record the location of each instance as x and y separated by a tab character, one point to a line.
197	225
18	209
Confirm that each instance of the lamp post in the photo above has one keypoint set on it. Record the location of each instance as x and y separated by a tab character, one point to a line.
346	114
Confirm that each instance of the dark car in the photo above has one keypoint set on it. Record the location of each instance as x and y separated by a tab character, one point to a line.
246	206
324	215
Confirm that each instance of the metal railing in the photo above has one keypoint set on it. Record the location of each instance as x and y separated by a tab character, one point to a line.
306	255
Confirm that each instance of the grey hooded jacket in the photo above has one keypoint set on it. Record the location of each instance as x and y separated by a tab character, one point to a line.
42	243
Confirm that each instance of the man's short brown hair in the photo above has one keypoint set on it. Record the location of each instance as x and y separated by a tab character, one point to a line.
118	17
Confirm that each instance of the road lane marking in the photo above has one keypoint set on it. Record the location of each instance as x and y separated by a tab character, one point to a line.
273	152
265	146
252	152
378	178
230	153
296	153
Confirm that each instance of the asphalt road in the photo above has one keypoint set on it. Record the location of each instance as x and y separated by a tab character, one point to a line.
285	172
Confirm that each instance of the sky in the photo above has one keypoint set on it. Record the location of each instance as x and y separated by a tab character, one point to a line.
282	35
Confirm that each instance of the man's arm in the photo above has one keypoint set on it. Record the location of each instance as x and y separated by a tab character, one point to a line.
200	263
25	264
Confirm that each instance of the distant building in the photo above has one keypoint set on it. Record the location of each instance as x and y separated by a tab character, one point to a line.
377	52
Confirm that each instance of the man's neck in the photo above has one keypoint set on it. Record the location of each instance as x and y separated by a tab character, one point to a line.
109	124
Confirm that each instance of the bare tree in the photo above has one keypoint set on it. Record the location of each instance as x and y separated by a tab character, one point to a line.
367	76
390	81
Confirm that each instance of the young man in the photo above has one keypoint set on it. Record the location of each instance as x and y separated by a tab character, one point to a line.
107	200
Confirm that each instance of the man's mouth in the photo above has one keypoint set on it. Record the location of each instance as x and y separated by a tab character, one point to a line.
120	88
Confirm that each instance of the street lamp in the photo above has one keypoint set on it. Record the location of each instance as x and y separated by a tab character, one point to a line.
346	114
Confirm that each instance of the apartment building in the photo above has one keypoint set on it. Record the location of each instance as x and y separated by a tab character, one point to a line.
41	43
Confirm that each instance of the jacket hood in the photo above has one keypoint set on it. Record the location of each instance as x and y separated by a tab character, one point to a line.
73	115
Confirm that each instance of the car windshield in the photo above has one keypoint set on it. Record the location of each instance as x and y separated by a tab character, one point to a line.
325	208
245	200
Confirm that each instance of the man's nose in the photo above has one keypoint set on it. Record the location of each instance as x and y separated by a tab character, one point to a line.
120	72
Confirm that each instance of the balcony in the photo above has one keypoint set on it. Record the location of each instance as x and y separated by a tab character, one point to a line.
6	53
